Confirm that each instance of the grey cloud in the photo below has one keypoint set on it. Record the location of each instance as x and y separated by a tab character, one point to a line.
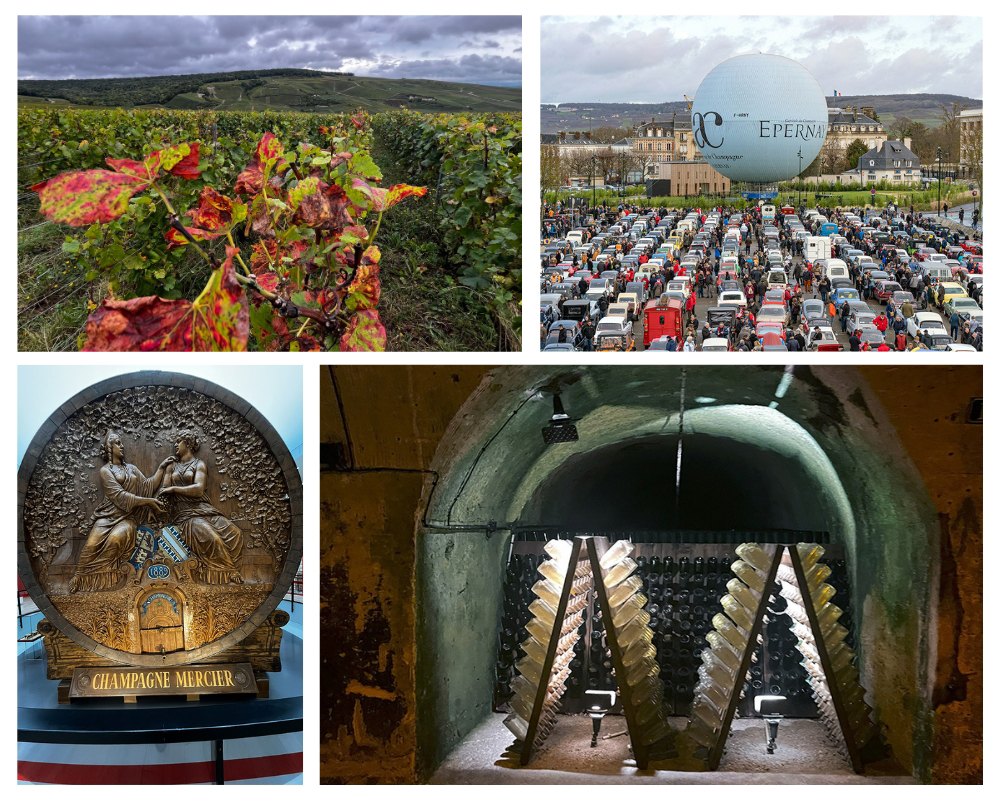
102	46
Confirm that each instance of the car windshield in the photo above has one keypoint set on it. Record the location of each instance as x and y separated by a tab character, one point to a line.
848	294
609	326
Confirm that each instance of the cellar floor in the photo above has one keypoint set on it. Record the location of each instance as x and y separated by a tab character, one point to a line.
803	756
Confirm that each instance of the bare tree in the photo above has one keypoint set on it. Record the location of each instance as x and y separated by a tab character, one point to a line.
553	169
581	164
950	127
642	162
605	161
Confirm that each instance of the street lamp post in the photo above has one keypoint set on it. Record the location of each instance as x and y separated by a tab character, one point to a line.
593	182
938	160
799	187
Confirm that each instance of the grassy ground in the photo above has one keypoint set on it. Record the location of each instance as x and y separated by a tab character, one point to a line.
423	307
922	200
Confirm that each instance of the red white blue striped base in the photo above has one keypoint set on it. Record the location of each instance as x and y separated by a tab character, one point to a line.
265	759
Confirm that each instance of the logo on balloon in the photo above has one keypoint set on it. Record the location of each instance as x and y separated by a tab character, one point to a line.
700	135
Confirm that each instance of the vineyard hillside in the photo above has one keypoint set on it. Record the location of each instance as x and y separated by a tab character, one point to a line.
288	90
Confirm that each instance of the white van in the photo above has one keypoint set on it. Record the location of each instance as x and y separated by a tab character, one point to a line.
835	268
767	213
817	247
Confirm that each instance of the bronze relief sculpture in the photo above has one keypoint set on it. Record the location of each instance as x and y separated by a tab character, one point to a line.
159	519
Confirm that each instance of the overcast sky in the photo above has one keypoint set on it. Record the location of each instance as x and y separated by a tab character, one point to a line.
484	50
658	59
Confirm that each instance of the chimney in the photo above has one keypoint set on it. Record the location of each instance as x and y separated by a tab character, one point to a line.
869	111
848	109
855	114
652	120
907	142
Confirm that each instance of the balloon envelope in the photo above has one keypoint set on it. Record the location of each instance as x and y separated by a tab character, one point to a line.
753	115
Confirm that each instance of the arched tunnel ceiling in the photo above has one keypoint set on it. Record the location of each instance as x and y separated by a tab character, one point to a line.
628	403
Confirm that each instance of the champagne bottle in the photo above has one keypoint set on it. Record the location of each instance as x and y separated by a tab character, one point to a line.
624	590
616	553
817	574
648	689
642	670
809	554
554	572
715	694
732	634
723	651
517	726
558	549
636	630
707	713
619	572
547	591
654	733
746	596
748	575
701	733
647	712
754	555
628	611
737	613
640	650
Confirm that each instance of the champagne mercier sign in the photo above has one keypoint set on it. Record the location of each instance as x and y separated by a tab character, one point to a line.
192	679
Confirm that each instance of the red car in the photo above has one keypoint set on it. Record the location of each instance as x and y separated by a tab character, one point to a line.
884	289
924	253
972	246
769	327
974	264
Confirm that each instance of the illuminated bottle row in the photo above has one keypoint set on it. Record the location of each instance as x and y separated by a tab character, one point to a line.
640	685
833	637
728	642
540	630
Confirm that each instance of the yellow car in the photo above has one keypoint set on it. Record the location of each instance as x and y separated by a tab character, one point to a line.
950	290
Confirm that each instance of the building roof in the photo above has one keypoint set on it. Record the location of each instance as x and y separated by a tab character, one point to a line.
838	116
550	138
886	153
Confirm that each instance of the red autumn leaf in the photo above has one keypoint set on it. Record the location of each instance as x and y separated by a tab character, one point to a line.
401	191
387	198
218	320
187	165
146	170
268	281
359	121
83	198
366	288
179	159
320	206
365	333
138	325
210	219
220	317
268	154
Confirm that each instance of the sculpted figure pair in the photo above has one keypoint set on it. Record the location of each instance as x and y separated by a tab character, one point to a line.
178	492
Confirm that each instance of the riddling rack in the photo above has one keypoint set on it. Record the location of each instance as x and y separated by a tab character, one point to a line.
828	659
684	582
572	572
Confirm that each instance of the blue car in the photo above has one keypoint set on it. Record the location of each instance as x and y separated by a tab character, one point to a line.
843	294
